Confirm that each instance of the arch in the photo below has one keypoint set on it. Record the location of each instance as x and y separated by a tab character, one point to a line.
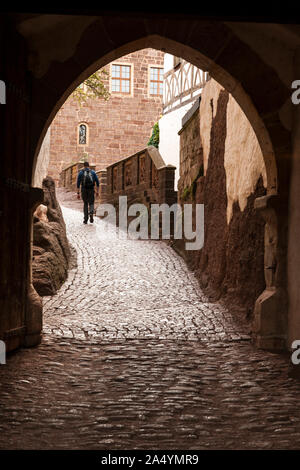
213	47
232	84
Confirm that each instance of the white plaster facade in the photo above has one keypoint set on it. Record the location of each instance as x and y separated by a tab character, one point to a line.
169	140
178	99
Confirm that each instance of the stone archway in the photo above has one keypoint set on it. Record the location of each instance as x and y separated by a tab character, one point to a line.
232	85
88	43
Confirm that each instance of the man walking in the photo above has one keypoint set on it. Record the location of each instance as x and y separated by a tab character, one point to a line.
87	179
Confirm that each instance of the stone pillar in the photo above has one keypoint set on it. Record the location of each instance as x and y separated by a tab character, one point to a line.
109	188
34	305
20	307
102	176
166	193
166	177
270	312
294	221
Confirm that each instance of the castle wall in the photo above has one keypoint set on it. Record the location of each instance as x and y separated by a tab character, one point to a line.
116	128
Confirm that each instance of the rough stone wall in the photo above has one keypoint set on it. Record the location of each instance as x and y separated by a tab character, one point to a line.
144	179
231	263
51	250
41	169
243	159
118	127
191	152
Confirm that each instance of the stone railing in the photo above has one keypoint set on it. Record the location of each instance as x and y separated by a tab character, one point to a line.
68	176
143	177
102	177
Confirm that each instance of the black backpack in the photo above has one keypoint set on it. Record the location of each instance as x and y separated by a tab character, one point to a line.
87	180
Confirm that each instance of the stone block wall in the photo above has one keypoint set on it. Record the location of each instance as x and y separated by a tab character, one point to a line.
116	128
191	151
102	177
222	167
143	178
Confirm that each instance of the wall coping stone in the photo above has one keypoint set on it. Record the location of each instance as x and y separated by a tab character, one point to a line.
189	115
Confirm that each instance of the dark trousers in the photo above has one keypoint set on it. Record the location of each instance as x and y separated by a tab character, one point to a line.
88	198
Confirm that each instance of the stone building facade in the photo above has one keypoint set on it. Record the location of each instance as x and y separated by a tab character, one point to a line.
106	131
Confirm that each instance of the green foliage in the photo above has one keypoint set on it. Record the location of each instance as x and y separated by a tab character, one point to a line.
186	193
154	139
190	191
92	88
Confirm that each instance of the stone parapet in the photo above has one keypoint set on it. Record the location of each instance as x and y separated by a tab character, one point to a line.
143	178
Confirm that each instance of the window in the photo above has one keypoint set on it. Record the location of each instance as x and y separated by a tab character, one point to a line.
156	80
82	134
120	78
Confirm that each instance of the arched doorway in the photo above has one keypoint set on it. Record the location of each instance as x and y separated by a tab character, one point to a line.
211	46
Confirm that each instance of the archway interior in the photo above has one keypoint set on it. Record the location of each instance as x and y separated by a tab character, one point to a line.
194	57
225	219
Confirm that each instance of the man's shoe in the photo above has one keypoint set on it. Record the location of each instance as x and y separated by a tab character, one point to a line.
85	221
91	218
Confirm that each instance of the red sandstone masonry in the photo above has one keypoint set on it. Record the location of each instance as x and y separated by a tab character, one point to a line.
118	127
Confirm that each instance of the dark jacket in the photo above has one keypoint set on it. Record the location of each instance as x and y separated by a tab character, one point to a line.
80	176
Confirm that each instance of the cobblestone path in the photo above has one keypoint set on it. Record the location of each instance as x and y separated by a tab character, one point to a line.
134	357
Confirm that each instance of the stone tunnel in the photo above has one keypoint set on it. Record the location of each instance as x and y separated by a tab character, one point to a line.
164	337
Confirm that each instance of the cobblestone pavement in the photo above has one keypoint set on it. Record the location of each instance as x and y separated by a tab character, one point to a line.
134	357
